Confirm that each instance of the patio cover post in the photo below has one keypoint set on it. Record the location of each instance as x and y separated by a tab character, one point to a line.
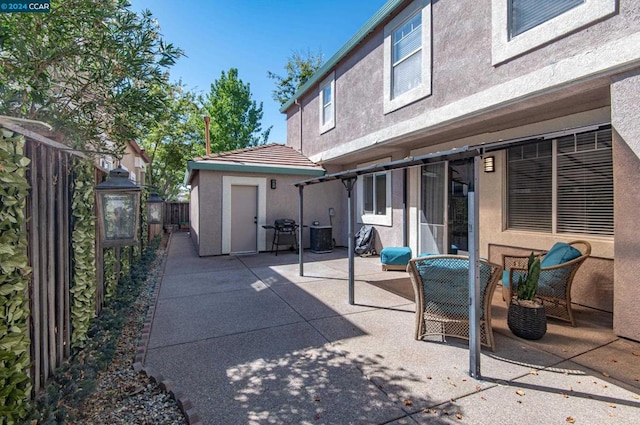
474	273
348	184
300	229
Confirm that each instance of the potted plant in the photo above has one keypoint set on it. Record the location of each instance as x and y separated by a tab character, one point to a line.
526	316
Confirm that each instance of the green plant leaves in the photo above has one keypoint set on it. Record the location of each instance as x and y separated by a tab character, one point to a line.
15	384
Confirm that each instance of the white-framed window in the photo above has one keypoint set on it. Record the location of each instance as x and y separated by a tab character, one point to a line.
374	196
326	97
562	185
519	26
407	56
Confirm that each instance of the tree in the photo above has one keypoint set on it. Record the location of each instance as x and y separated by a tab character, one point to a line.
299	69
97	73
235	118
172	141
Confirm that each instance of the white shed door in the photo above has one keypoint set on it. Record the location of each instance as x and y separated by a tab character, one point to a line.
244	219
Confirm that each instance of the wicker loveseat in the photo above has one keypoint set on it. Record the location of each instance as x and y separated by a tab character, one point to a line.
441	288
558	268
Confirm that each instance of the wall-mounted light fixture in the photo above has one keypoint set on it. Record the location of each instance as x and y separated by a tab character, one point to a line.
118	209
155	206
273	183
489	164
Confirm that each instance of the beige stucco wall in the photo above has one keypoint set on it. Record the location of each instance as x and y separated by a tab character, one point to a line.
461	68
281	202
194	209
625	106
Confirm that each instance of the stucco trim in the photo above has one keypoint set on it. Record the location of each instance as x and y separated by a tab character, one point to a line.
227	182
503	49
606	60
331	123
424	89
248	168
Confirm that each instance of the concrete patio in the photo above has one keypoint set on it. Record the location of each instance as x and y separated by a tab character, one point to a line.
249	341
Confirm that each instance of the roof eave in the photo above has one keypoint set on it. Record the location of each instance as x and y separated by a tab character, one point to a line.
366	29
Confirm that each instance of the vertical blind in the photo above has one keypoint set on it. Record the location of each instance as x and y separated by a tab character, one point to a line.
407	59
584	185
526	14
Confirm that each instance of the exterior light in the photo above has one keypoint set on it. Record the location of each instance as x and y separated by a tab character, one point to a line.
489	164
118	204
154	208
273	183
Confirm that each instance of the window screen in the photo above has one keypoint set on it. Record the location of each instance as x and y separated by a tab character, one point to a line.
529	183
526	14
407	60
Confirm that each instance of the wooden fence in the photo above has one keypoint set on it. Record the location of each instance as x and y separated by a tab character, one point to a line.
49	249
176	213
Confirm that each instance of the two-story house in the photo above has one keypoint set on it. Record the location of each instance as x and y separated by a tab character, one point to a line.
547	90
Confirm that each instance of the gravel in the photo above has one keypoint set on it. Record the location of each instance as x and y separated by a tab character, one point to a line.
123	396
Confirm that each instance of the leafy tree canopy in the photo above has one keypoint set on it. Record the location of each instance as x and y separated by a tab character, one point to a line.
96	71
299	68
172	141
235	117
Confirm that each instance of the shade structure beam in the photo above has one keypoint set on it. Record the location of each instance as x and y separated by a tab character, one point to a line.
349	184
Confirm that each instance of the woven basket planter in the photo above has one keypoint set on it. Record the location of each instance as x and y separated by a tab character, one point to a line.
527	319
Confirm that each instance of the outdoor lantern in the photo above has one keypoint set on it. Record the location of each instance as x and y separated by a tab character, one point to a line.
489	164
273	183
154	208
118	204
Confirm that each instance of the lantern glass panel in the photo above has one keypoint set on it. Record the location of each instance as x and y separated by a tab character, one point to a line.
154	212
119	212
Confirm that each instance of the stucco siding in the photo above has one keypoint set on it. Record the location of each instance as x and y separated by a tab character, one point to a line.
625	105
462	67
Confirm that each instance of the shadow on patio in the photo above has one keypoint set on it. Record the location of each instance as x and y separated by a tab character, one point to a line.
250	341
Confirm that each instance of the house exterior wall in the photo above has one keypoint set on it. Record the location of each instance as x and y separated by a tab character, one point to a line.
462	73
133	163
194	210
585	77
625	105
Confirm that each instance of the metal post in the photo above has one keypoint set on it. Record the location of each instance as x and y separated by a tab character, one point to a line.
474	274
300	215
348	184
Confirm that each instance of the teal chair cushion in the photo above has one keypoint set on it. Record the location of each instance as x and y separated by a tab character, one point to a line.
395	256
559	253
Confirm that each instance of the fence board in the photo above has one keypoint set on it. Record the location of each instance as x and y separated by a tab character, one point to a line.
176	213
51	260
34	248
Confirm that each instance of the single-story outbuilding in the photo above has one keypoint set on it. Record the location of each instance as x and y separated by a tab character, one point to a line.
234	194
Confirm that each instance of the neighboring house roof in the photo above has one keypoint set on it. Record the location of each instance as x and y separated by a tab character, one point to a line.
273	158
366	29
138	150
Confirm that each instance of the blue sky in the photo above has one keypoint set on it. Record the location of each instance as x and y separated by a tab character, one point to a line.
254	36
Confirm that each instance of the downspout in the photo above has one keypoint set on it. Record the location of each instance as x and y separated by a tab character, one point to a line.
405	210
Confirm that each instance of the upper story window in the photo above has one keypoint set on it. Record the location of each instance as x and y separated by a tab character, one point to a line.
326	97
526	14
519	26
407	56
374	197
562	185
407	61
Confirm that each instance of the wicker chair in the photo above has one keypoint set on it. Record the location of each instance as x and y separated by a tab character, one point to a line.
441	288
554	287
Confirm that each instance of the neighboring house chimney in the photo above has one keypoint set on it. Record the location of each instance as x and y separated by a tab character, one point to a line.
206	134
